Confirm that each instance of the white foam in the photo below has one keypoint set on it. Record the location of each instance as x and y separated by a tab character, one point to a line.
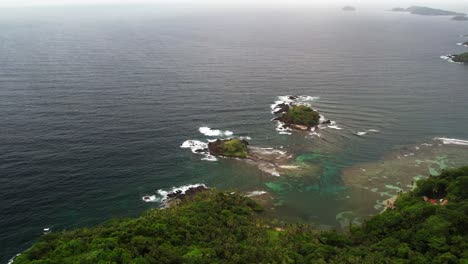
246	138
194	145
10	261
268	151
299	100
335	127
462	44
308	98
150	198
255	193
315	134
182	189
199	147
214	132
453	141
210	158
362	133
282	129
269	168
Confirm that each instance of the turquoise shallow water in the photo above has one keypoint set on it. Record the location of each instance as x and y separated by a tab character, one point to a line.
96	102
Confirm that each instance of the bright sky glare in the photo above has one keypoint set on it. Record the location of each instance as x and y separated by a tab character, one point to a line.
462	5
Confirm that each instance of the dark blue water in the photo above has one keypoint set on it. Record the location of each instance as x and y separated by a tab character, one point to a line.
95	102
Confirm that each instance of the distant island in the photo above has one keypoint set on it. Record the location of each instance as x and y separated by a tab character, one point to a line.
427	11
460	18
399	9
349	8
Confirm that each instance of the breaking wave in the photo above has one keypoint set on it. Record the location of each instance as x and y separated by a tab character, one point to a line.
215	132
362	133
199	147
453	141
150	199
181	189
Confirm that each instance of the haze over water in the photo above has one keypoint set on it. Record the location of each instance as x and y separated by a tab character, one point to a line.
96	102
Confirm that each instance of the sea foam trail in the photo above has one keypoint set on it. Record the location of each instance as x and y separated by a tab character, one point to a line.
182	189
255	193
214	132
453	141
362	133
10	261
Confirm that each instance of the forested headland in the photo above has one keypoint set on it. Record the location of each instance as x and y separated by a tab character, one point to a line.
427	225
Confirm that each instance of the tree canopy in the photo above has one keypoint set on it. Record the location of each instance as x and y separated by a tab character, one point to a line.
301	115
220	227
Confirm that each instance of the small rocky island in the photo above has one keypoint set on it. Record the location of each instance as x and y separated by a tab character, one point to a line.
349	8
299	117
460	58
232	148
460	18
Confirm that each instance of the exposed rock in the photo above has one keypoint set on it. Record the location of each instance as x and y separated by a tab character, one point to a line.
327	122
176	197
281	108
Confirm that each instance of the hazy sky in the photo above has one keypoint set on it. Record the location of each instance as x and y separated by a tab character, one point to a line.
460	4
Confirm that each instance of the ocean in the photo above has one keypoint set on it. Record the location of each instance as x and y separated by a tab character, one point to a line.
96	102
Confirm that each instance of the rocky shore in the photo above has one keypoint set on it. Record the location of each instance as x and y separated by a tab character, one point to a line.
178	195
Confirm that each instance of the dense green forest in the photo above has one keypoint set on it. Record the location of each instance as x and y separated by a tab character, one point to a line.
428	225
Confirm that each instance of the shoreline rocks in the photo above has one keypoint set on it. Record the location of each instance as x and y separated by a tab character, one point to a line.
177	196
